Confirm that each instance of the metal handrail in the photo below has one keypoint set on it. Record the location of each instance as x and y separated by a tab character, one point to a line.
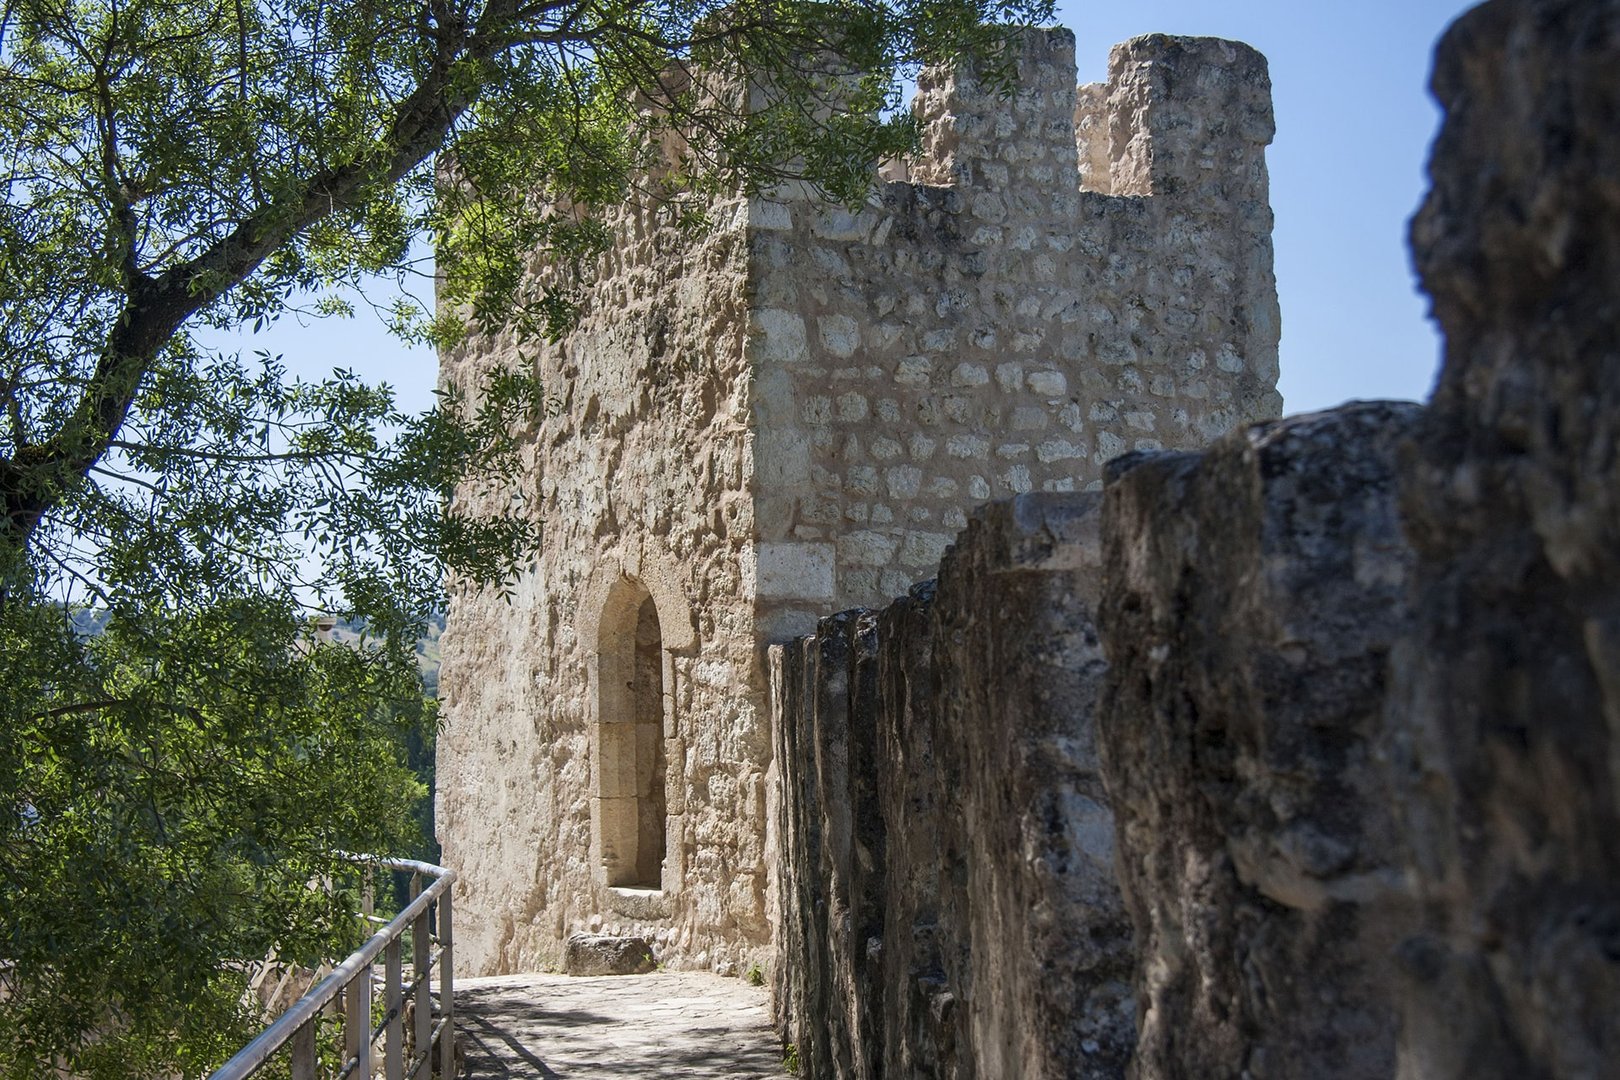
352	978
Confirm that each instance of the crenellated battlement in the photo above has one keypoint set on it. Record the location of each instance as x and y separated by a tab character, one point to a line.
973	137
1179	117
1059	276
1185	118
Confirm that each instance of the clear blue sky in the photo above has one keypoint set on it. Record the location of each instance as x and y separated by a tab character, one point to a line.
1354	121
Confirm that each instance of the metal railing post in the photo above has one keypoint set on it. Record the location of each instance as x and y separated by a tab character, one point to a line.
421	967
394	1002
303	1051
447	1003
297	1030
357	1023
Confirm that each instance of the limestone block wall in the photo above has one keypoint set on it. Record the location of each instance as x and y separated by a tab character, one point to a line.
612	705
1065	276
949	906
792	413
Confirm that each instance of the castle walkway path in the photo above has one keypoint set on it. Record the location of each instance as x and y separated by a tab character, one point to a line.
667	1024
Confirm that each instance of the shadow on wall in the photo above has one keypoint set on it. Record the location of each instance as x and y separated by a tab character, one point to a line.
1297	757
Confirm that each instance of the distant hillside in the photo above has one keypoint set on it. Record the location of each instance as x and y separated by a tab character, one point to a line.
88	622
91	621
427	647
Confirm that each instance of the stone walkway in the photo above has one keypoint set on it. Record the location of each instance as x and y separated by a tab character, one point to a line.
685	1024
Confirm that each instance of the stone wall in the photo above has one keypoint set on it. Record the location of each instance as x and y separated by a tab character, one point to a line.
793	412
1002	321
1251	597
642	476
1413	861
949	906
1508	684
1248	597
1358	725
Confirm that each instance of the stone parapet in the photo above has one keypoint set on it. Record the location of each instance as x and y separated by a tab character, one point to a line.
1509	681
1251	596
949	906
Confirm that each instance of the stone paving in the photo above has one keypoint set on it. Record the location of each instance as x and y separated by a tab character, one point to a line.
685	1024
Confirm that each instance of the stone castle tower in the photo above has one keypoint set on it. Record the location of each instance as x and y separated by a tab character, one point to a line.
788	415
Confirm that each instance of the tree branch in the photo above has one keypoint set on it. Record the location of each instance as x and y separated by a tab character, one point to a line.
38	477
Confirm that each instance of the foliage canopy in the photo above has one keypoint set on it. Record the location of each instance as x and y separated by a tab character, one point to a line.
170	786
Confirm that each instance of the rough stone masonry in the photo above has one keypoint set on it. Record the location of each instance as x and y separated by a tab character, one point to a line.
792	414
949	906
1251	596
1356	712
1508	682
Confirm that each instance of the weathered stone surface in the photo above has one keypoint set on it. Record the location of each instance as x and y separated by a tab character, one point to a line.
947	855
998	292
1508	773
1252	595
790	413
832	875
1365	753
799	571
1045	972
924	890
603	954
601	772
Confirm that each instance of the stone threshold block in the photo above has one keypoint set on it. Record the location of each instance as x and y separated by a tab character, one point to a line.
604	954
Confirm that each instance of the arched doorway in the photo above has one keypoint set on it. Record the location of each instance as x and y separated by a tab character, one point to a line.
630	800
